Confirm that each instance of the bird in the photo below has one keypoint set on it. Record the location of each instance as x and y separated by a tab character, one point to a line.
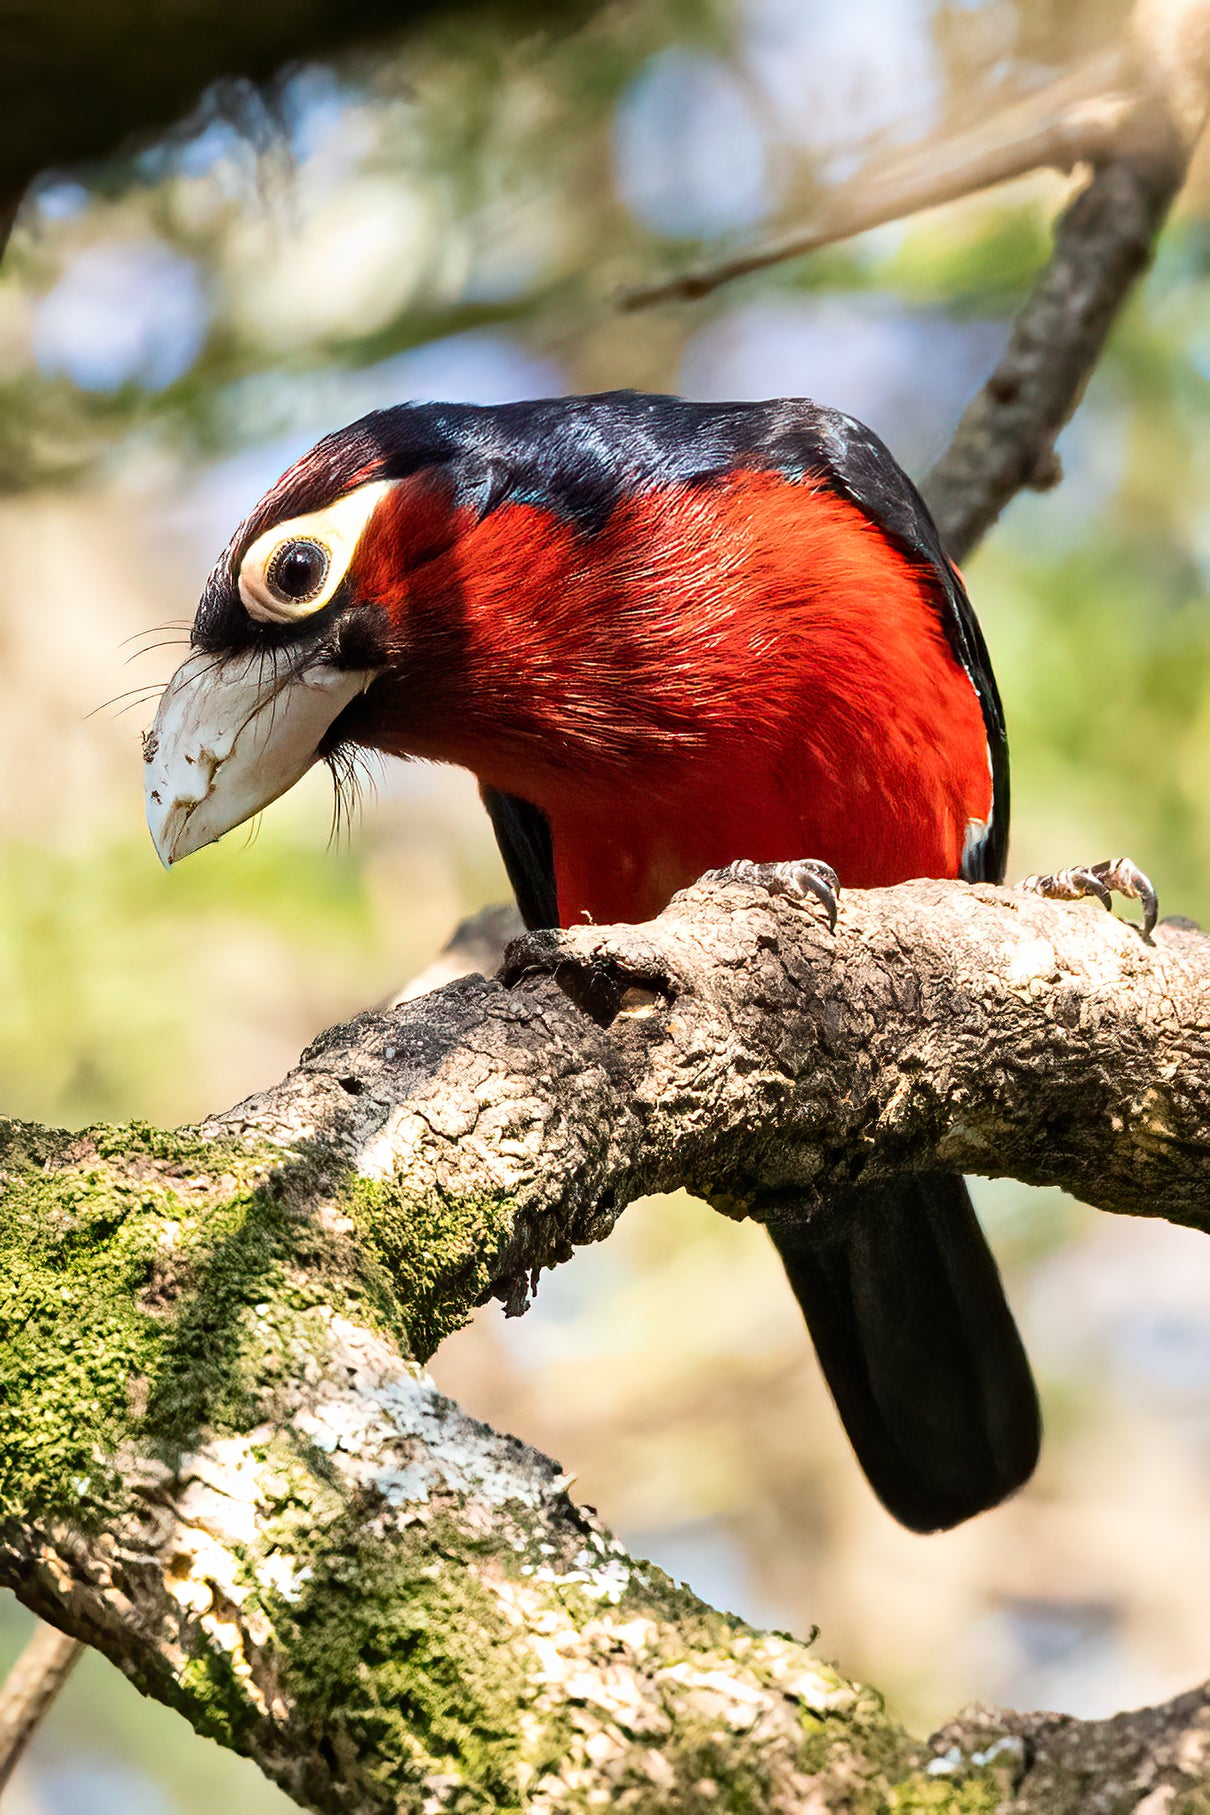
668	638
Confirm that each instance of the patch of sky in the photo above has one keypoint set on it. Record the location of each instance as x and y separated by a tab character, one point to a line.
1169	1348
60	199
704	1555
1127	1307
1066	1655
509	249
838	78
1036	1219
475	367
478	366
689	149
219	142
222	494
131	312
99	1787
573	1314
315	107
906	373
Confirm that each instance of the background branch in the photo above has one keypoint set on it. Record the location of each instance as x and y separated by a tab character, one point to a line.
1103	243
1071	120
1135	114
1006	438
1140	102
31	1685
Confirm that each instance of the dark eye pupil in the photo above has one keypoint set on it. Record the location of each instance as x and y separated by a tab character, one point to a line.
298	570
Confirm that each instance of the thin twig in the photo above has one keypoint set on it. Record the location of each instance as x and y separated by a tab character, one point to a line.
1005	440
1072	120
1142	101
1103	243
30	1688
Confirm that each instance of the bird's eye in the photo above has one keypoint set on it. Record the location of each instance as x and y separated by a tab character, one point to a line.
298	570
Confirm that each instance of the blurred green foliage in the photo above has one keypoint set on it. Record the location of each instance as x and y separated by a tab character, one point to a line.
125	990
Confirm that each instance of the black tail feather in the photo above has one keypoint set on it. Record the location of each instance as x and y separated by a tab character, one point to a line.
904	1302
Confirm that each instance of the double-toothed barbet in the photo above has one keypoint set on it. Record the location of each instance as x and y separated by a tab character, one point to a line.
667	638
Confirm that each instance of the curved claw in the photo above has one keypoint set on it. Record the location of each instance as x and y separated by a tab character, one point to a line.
798	879
1102	880
812	876
1122	874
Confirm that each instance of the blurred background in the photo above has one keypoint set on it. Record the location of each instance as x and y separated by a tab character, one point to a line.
450	217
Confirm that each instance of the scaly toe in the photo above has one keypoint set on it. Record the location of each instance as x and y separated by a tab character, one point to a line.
1101	880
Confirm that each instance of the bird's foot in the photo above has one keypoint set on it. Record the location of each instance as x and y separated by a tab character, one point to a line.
1101	879
803	878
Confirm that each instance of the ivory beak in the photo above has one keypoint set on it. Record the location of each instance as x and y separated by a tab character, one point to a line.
229	737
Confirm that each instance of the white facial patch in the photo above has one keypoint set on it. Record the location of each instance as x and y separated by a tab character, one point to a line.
293	569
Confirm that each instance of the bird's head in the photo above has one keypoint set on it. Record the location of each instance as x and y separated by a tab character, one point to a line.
304	612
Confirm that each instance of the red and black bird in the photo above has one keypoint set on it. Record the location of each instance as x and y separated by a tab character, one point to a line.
666	637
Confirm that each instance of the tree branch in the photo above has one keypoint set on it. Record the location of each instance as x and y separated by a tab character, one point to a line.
219	1464
29	1689
629	1060
1006	438
1103	243
1140	102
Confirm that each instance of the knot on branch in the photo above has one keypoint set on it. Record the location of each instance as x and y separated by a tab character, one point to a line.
605	981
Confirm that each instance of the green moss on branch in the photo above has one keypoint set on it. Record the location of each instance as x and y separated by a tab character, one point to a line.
434	1253
138	1271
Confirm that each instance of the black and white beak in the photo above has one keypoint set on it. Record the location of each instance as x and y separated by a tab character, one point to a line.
232	734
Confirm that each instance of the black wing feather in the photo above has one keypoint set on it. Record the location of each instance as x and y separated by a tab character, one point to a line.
897	1283
523	835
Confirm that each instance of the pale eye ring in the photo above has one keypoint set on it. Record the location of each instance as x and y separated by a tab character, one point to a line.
297	570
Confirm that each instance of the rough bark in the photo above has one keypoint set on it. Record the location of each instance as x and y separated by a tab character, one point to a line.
736	1047
220	1461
